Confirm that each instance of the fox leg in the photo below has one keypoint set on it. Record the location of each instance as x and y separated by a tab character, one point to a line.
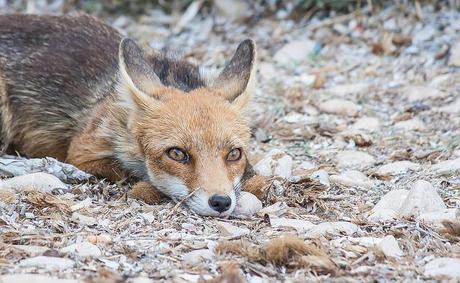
146	192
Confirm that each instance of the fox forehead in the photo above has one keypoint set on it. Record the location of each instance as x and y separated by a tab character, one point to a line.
198	120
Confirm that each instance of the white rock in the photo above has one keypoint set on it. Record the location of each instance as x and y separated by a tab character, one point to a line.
83	249
343	90
339	107
276	163
447	167
422	198
454	59
298	224
390	248
369	124
227	229
413	124
196	257
33	278
443	267
306	165
47	262
387	207
332	228
31	250
322	176
436	218
397	168
382	215
352	178
83	219
419	92
41	182
294	52
354	159
247	205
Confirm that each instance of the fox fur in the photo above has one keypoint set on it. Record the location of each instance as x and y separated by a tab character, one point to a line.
71	87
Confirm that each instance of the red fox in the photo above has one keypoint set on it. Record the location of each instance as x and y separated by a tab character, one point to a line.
71	87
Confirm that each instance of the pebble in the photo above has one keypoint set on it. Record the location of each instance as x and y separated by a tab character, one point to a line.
227	229
247	205
83	219
447	167
83	249
369	124
397	168
388	205
99	239
277	163
422	198
443	267
454	59
390	248
33	278
435	219
420	92
41	182
294	52
347	89
47	262
339	107
298	224
413	124
352	178
196	257
322	176
332	228
355	159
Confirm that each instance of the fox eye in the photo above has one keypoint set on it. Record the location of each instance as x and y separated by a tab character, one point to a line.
234	154
178	155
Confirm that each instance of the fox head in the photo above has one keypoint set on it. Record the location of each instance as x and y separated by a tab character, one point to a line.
194	143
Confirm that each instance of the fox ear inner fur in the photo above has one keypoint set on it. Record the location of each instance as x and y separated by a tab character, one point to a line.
234	79
136	73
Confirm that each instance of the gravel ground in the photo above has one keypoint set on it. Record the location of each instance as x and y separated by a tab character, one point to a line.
346	109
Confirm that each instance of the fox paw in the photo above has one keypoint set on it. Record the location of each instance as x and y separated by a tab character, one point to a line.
145	192
257	185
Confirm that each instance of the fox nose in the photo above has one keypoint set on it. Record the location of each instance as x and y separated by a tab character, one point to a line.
220	203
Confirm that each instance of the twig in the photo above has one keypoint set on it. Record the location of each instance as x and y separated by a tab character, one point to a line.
173	210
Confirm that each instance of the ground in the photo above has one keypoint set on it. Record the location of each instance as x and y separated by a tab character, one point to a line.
364	103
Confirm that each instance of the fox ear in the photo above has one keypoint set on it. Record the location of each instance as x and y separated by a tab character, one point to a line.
233	81
136	73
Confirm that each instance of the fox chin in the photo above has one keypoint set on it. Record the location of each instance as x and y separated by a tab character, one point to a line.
72	88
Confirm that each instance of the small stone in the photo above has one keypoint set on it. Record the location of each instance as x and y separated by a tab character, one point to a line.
196	257
332	228
390	248
247	205
443	267
83	249
387	207
447	167
83	219
33	278
339	107
298	224
410	125
47	262
294	52
382	215
347	89
454	59
227	229
436	218
356	159
397	168
41	182
420	92
99	239
306	165
276	163
422	198
352	178
369	124
322	176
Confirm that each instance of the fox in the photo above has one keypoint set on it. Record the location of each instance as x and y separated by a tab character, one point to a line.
73	88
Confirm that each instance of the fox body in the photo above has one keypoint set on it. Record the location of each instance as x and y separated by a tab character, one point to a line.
71	87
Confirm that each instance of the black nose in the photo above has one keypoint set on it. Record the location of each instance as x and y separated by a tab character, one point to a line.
220	203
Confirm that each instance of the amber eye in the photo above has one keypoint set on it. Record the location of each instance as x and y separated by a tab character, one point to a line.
234	154
178	155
